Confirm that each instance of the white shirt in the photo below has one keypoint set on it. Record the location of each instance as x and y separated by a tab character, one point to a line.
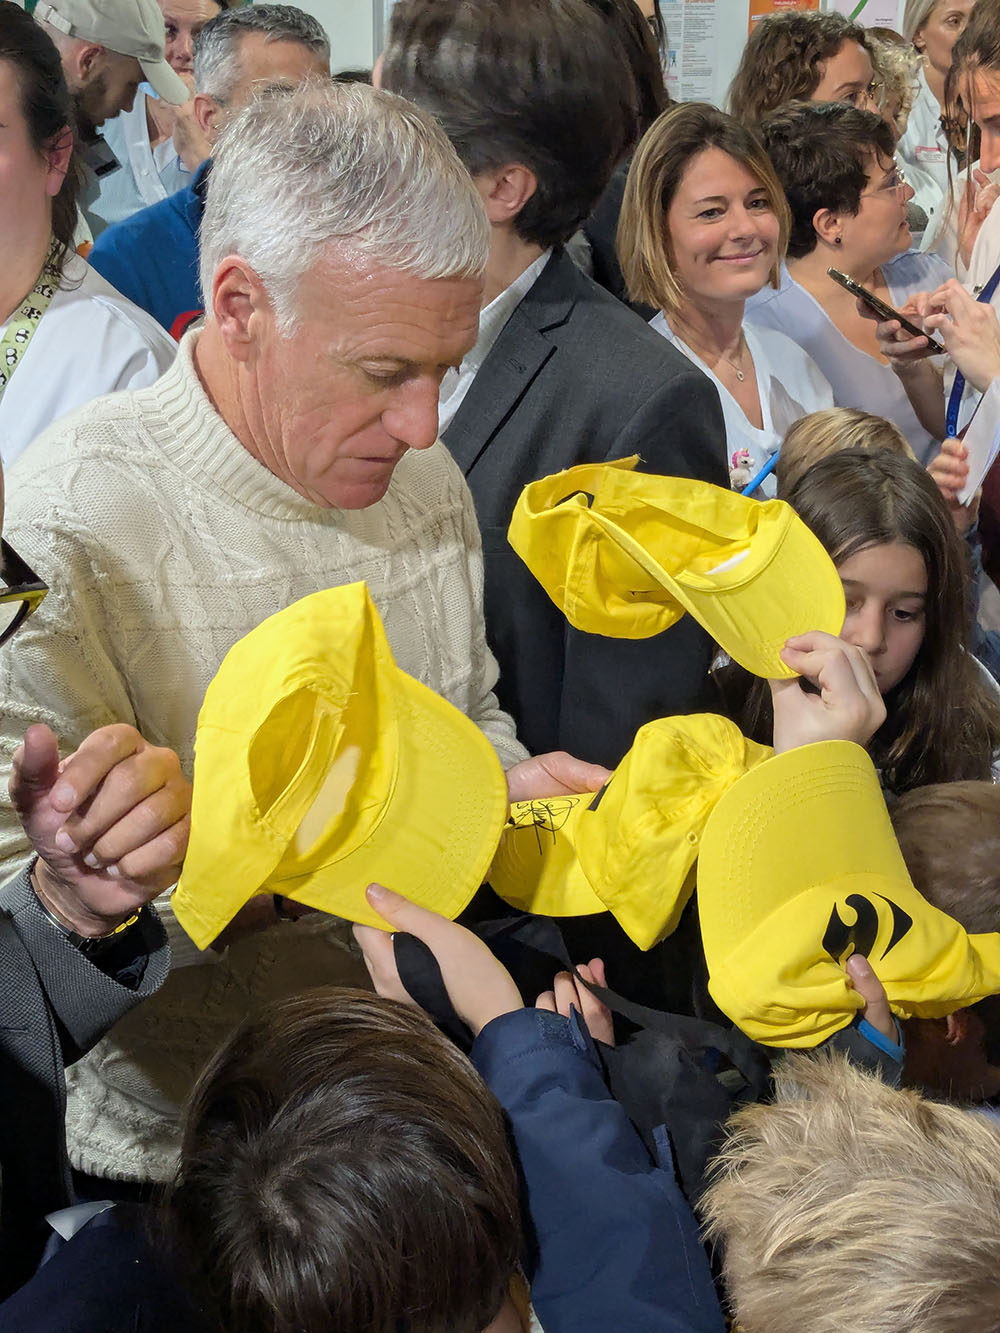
492	318
90	341
789	383
857	379
922	152
146	175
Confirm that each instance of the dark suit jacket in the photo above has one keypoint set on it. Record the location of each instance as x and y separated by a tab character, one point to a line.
576	377
54	1005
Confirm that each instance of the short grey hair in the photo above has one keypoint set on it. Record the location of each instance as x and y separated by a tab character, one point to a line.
216	47
299	168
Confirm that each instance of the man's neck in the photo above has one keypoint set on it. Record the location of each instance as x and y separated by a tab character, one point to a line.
22	263
509	257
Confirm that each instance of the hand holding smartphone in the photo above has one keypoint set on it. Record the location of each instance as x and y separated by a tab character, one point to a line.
882	309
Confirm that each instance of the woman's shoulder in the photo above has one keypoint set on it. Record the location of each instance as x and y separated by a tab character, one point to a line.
86	298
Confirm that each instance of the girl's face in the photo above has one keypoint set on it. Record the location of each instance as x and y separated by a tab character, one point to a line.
723	232
879	230
942	29
28	179
886	590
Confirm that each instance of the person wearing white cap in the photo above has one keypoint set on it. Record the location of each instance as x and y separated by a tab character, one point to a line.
107	48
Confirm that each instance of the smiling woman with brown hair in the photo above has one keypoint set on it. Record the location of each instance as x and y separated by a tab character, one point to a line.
704	226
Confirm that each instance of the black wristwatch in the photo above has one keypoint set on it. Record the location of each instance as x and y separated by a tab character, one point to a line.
91	946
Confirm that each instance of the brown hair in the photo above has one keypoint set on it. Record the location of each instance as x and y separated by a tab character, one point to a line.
45	104
943	721
949	834
344	1167
784	59
674	139
820	434
821	153
977	47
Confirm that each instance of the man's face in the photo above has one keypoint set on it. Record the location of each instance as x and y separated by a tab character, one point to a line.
260	62
108	89
333	407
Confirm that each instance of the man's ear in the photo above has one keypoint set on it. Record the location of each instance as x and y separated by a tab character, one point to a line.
505	191
240	305
87	60
827	225
208	114
956	1027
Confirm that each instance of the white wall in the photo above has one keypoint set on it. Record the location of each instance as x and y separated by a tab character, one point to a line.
350	25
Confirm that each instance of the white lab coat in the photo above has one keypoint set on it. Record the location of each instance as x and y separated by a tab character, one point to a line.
922	153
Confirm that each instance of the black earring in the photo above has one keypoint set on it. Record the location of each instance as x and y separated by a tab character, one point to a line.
837	240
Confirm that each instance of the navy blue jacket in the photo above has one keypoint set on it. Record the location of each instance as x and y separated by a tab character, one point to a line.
152	257
616	1245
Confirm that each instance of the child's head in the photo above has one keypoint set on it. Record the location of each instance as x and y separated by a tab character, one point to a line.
887	529
344	1167
848	1204
949	834
828	432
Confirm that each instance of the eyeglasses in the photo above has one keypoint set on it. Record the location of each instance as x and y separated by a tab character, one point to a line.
896	182
873	92
22	594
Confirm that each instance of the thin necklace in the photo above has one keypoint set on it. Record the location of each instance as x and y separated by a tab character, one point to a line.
740	374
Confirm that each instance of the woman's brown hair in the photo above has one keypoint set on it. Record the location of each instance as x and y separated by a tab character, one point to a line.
673	140
45	104
943	719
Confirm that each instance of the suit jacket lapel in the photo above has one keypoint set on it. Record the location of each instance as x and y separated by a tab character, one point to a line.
514	360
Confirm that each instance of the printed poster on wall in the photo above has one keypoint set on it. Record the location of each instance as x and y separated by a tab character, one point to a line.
691	26
872	13
760	9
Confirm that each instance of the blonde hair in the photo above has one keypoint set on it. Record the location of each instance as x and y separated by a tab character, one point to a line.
897	63
823	433
848	1204
664	154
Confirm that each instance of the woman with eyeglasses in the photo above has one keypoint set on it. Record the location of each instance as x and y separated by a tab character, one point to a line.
66	335
804	57
848	204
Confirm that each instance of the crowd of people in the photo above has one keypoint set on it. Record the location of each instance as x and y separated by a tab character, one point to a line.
706	1035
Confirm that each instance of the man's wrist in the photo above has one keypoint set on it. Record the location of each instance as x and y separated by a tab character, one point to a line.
63	905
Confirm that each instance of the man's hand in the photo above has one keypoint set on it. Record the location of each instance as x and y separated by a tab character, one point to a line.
479	986
848	707
950	470
555	774
567	994
110	824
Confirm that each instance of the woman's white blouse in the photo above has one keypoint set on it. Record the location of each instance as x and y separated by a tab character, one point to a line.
922	153
789	383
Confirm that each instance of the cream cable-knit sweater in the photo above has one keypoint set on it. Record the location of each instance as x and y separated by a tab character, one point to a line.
163	542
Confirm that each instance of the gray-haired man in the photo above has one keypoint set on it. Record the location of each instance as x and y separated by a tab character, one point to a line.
291	447
152	257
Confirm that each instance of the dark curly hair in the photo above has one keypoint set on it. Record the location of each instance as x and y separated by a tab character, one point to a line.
784	58
821	152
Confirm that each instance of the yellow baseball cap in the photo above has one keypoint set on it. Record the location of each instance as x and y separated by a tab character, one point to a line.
625	554
799	869
320	767
629	848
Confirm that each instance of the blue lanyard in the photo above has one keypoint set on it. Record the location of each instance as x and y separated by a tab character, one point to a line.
958	387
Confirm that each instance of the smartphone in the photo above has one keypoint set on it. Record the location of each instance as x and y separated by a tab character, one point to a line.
881	309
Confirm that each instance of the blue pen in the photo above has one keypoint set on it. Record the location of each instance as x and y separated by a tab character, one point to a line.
762	475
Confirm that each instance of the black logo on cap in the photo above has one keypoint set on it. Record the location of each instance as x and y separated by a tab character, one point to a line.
841	940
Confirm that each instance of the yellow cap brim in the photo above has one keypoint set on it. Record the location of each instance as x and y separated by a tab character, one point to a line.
799	869
536	867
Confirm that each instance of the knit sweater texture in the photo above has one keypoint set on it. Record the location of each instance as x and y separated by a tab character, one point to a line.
163	542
